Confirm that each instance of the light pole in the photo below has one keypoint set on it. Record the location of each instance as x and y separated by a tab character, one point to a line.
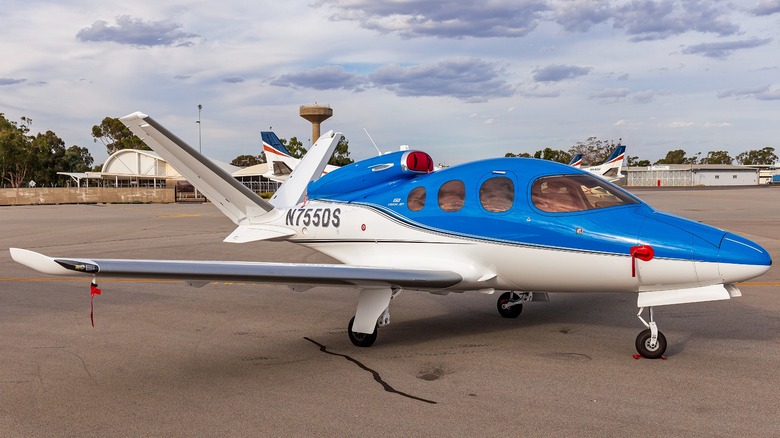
200	148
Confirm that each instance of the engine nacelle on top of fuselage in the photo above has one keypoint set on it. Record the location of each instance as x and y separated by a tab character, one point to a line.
372	172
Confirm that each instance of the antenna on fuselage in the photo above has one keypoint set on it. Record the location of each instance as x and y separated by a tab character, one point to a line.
372	142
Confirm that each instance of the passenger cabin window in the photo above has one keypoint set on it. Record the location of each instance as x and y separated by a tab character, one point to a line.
567	193
452	195
416	199
497	194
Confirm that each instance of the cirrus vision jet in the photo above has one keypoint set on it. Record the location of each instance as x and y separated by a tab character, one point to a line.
506	225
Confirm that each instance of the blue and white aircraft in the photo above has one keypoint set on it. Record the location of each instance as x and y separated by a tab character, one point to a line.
508	225
610	169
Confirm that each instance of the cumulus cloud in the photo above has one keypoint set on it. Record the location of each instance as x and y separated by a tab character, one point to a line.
724	49
559	72
468	79
647	20
765	92
581	15
767	7
331	77
443	18
136	32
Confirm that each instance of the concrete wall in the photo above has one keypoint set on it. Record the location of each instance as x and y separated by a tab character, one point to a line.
85	195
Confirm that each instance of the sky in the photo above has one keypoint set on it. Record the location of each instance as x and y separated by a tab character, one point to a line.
460	80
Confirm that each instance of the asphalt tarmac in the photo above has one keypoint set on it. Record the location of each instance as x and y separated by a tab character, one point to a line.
166	359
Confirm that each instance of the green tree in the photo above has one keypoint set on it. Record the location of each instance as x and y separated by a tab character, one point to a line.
47	151
553	155
636	162
248	160
717	157
762	156
76	159
593	150
676	156
340	154
294	146
16	161
116	136
520	155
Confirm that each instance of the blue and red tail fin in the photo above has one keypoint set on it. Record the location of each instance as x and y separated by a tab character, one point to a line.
617	156
576	161
272	144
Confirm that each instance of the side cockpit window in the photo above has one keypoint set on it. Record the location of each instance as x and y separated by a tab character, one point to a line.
497	194
452	195
416	199
570	193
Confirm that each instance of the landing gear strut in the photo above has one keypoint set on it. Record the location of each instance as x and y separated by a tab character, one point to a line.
510	304
651	343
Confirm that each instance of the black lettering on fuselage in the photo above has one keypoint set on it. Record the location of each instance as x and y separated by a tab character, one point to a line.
319	217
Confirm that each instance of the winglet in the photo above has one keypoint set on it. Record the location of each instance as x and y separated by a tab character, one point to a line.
234	199
39	262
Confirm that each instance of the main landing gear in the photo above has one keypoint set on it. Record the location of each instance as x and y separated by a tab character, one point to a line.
651	343
510	304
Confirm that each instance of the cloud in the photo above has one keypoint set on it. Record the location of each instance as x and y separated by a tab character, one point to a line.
136	32
233	80
559	72
443	18
468	79
579	16
624	95
611	93
647	20
680	124
723	50
331	77
765	92
11	81
767	7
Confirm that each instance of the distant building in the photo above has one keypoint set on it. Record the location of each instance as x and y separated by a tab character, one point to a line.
692	175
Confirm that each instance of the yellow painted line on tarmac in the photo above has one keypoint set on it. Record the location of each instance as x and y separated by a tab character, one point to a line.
178	216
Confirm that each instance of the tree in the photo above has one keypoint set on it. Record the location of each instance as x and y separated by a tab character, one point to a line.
717	157
636	162
116	136
340	154
553	155
294	146
15	157
593	150
248	160
676	156
762	156
521	155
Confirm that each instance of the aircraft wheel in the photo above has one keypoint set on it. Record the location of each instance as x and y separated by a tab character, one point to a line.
360	339
511	312
643	345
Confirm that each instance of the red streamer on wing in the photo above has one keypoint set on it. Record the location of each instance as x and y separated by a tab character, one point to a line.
93	290
641	252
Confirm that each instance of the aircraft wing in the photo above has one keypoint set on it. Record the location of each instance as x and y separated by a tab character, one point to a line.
286	273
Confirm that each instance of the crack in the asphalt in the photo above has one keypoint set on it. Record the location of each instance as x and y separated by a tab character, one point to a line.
376	375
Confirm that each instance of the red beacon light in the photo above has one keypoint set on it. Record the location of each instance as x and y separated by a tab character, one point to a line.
416	161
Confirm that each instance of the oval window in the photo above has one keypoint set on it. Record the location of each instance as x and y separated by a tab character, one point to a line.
416	199
497	194
452	195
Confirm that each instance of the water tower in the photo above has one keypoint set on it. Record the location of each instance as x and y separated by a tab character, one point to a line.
315	114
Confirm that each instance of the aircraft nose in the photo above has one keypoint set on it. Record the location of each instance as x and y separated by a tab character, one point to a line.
740	259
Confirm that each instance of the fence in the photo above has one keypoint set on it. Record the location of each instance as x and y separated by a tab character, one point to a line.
85	195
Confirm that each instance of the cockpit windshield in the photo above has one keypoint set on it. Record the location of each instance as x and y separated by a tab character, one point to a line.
568	193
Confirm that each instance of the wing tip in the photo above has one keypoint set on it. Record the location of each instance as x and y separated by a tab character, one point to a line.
37	261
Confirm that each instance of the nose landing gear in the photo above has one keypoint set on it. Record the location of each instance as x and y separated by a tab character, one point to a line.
510	304
651	343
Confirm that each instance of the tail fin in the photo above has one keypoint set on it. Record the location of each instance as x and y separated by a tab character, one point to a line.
234	199
617	156
576	161
310	169
280	162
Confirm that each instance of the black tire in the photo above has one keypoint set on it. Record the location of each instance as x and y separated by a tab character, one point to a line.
360	339
643	345
511	312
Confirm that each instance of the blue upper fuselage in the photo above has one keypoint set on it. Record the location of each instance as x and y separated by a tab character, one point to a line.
527	202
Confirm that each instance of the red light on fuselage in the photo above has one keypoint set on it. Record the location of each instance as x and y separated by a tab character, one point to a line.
418	162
